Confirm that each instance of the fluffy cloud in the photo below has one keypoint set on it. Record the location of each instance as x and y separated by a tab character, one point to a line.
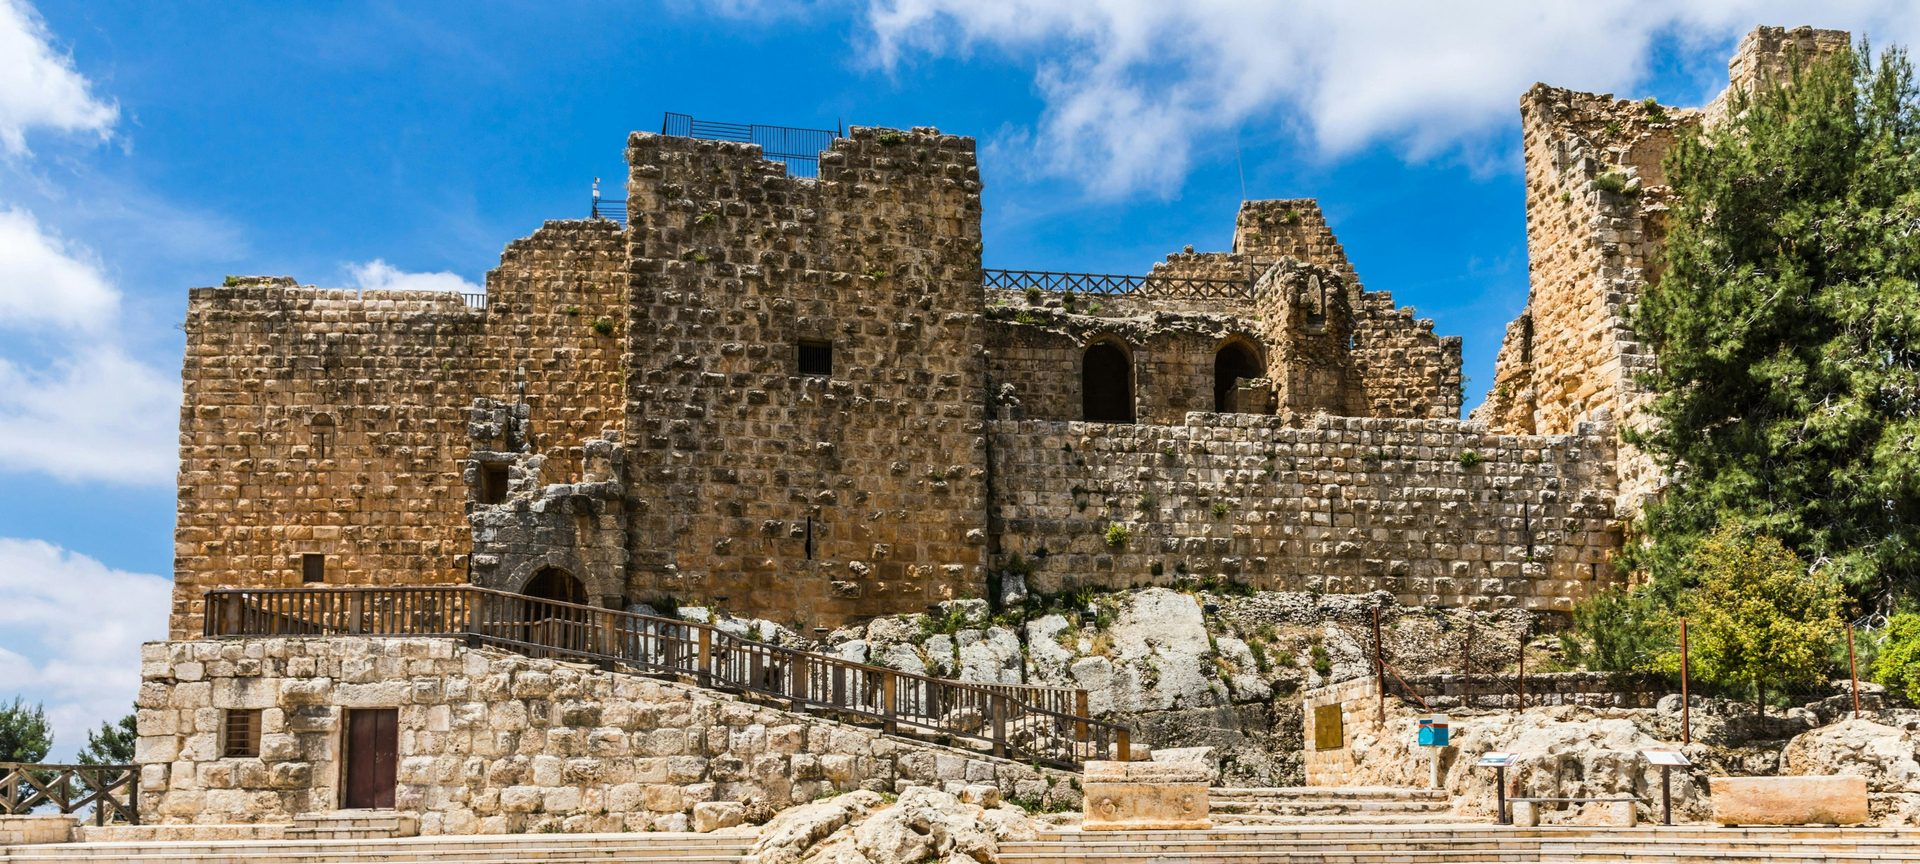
38	86
93	414
378	275
70	634
1133	86
45	280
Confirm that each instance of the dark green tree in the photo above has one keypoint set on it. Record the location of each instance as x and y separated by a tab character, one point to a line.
112	745
1787	326
24	733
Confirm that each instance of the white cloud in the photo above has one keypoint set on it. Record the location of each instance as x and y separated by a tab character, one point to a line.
39	86
378	275
45	280
1133	86
70	634
93	414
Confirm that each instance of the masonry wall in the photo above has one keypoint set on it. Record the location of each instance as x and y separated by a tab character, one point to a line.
498	743
1359	702
337	423
1338	505
734	455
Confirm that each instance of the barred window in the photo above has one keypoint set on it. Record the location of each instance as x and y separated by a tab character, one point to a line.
816	357
243	733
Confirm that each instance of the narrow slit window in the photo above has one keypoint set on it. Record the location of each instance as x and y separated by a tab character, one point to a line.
243	733
816	357
313	568
493	483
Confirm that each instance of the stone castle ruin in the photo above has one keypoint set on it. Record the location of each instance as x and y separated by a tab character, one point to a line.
803	400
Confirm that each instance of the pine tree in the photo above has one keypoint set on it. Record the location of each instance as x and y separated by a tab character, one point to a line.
1787	327
24	733
113	744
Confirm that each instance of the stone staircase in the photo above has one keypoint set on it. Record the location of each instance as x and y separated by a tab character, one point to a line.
1444	843
353	825
1292	805
469	849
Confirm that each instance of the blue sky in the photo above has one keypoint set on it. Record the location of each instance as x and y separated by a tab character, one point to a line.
149	147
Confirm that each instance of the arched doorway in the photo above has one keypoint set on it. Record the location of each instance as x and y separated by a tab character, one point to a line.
1106	384
1234	361
556	626
553	583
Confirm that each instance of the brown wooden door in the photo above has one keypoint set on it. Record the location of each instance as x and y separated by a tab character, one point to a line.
373	755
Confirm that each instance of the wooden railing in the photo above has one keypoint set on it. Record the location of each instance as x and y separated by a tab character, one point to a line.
1044	724
25	786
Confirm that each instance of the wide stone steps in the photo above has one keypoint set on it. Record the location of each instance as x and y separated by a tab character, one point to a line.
1436	843
477	849
1373	805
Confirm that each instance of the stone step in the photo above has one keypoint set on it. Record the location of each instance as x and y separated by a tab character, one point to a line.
353	825
1298	807
475	849
1325	793
1434	843
1282	819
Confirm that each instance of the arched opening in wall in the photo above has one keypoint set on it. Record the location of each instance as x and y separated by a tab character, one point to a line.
556	626
1234	361
553	583
1106	384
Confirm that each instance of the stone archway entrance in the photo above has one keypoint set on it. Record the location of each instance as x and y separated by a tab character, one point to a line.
1234	361
553	583
1106	384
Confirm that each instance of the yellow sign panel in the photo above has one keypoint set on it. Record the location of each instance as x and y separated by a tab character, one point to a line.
1328	733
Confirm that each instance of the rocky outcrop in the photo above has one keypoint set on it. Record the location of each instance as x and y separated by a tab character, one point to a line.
861	828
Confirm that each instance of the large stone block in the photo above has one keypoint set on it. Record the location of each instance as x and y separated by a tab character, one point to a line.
1156	796
1788	800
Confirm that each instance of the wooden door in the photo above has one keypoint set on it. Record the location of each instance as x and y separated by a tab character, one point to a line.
373	755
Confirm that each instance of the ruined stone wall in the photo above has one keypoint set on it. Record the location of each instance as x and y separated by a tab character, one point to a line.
1342	505
1041	355
491	742
731	450
337	423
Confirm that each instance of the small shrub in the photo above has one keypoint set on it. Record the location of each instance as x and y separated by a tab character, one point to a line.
1266	633
1655	113
1146	502
573	310
1156	568
891	138
1470	458
1373	456
1566	197
1612	181
1322	661
1613	127
230	281
877	272
1118	534
1259	652
707	218
1898	666
1166	451
1025	317
1035	296
1094	309
1219	509
603	326
1292	217
1018	566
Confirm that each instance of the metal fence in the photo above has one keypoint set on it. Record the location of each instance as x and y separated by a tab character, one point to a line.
1110	285
798	148
1043	724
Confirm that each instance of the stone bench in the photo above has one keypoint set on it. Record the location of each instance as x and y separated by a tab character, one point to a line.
1146	796
1788	800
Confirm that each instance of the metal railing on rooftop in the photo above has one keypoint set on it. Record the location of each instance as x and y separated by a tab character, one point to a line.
1107	284
1044	724
798	148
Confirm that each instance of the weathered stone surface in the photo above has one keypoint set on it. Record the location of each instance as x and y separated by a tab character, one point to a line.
35	829
924	824
1883	755
1163	796
711	816
1789	800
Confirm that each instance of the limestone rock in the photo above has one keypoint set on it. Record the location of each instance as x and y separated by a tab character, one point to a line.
1046	659
994	657
711	816
786	837
901	656
1883	755
1160	639
1248	685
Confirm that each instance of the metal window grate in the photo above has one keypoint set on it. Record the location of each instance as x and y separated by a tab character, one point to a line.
243	733
798	148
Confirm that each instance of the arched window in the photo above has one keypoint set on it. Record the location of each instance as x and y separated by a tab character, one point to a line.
553	583
1106	384
1234	361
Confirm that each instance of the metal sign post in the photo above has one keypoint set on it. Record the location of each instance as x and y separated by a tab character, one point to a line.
1667	760
1498	761
1433	733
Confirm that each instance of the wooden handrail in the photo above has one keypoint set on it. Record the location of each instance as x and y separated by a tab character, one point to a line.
1045	724
25	786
